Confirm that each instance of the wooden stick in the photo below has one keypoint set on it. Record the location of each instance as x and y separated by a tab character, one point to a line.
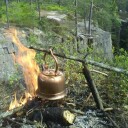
99	72
88	98
92	87
91	62
113	122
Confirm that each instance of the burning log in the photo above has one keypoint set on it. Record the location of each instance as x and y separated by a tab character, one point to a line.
53	114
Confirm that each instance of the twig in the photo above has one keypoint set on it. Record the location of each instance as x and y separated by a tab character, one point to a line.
26	121
108	109
113	122
86	100
99	72
14	121
88	97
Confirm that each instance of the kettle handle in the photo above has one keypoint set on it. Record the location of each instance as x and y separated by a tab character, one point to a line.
56	61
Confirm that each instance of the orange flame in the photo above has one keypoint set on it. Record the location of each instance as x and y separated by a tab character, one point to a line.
25	57
14	103
19	103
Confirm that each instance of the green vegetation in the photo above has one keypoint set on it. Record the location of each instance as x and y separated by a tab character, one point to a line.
32	39
113	88
105	14
117	84
21	14
53	7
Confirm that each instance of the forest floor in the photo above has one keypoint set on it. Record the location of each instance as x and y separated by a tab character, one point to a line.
81	104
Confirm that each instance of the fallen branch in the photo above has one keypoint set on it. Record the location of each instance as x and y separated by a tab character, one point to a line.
101	65
91	62
88	98
113	122
15	122
99	72
92	87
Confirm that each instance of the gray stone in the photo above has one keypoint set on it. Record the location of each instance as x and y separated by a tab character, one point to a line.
7	50
101	40
103	43
1	51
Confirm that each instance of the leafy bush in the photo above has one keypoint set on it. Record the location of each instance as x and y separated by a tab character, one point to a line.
116	85
32	39
21	14
53	7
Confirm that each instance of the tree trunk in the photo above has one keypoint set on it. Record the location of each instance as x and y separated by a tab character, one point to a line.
76	20
38	3
30	2
59	2
7	13
90	17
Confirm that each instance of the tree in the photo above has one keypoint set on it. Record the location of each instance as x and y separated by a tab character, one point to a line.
7	13
38	4
76	18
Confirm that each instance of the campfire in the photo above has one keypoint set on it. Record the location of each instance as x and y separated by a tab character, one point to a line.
37	91
43	103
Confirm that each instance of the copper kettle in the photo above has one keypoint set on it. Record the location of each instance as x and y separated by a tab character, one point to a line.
51	82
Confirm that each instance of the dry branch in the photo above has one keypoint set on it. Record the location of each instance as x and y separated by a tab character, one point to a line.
92	87
113	122
91	62
99	72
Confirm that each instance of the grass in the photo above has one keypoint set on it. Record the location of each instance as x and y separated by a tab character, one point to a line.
54	7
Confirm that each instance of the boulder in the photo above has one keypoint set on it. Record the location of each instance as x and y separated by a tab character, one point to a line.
100	40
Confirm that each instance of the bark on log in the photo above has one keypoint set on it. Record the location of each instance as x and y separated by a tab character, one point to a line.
92	87
53	114
91	62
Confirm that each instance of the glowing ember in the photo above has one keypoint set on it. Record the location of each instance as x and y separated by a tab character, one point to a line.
25	57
